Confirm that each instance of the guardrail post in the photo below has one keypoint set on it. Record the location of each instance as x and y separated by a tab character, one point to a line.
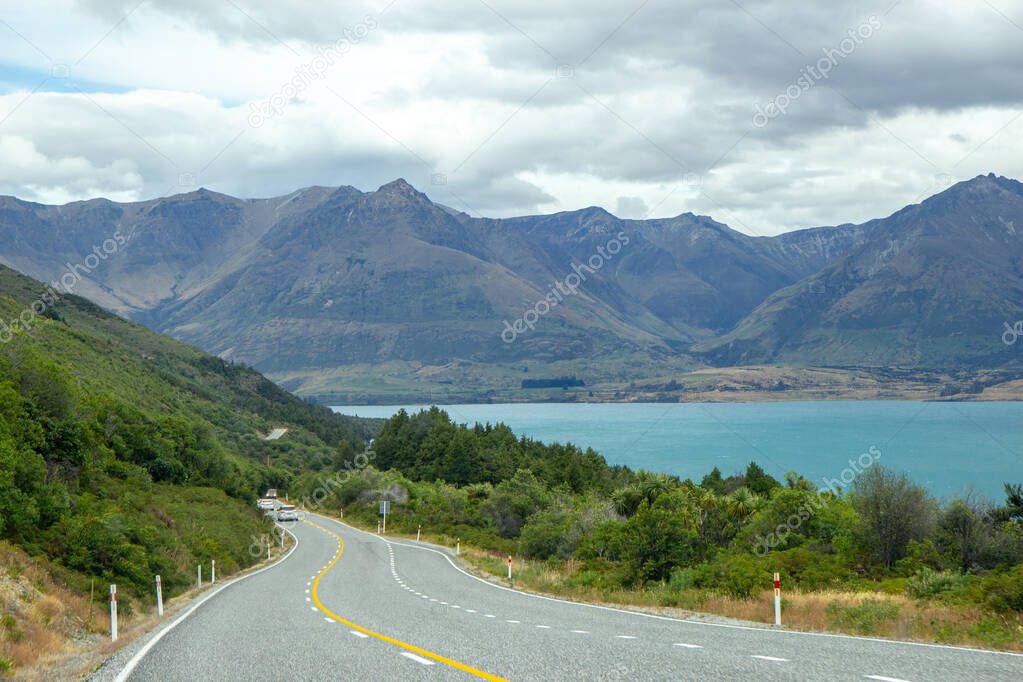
113	613
159	596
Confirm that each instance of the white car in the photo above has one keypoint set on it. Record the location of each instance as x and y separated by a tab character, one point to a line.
287	512
265	504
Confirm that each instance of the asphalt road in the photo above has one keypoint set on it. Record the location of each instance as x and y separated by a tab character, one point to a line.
349	605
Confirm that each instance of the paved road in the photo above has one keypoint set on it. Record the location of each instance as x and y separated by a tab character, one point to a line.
349	605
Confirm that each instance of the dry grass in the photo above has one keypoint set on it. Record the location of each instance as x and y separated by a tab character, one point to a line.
48	631
863	613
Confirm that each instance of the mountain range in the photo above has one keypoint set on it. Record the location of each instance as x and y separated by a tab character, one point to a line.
340	293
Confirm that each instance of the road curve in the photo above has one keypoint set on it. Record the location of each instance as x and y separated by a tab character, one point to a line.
350	605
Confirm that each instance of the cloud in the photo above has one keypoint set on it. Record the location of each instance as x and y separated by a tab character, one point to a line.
517	107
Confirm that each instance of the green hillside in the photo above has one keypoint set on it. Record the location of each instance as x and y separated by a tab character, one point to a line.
124	453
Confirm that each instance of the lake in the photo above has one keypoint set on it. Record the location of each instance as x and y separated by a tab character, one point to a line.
950	448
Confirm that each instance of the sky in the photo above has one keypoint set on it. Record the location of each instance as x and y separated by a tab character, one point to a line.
767	115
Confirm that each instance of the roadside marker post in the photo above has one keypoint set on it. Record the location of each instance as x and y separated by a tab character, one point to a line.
198	576
159	596
268	549
509	566
419	532
113	613
458	546
385	506
213	571
777	600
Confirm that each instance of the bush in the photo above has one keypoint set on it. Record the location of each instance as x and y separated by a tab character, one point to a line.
1003	592
737	576
927	583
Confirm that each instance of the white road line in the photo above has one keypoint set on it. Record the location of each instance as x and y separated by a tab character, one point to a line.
489	615
329	620
314	608
544	627
581	632
688	621
308	599
884	679
361	635
625	636
417	659
470	610
512	621
133	662
455	606
688	646
770	658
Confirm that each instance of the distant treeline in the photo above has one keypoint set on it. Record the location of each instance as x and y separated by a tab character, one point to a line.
556	382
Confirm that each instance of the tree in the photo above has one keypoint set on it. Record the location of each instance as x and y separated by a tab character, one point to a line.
963	534
893	511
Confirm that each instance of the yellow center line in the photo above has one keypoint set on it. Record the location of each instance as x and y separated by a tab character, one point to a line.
390	640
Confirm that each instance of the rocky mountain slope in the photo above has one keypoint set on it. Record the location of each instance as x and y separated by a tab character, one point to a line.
310	284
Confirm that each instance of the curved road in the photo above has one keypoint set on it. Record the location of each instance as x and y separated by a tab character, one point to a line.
350	605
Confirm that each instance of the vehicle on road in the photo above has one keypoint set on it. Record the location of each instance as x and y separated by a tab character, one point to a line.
265	503
287	512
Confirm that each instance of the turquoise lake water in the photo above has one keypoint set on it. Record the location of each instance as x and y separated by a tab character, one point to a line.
951	448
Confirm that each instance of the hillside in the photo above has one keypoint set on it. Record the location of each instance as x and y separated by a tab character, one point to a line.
124	454
932	286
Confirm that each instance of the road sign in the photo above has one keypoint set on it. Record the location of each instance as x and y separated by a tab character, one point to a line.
385	506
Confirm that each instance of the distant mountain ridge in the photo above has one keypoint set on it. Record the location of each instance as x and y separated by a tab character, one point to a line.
323	278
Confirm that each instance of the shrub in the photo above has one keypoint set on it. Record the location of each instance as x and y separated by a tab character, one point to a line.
927	583
1003	592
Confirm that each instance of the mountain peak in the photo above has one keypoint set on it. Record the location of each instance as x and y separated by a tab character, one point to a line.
400	187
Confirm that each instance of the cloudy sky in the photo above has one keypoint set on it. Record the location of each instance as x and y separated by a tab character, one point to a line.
767	115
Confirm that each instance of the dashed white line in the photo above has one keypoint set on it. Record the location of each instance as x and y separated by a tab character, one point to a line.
329	620
688	646
417	659
884	679
544	627
489	615
512	621
581	632
308	599
361	635
770	658
470	610
625	636
314	608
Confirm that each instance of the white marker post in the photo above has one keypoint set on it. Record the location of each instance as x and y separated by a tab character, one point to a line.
777	600
419	532
198	576
159	596
268	549
385	506
113	613
509	567
458	546
213	571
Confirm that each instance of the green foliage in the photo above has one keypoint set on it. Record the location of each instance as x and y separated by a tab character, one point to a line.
928	583
124	453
